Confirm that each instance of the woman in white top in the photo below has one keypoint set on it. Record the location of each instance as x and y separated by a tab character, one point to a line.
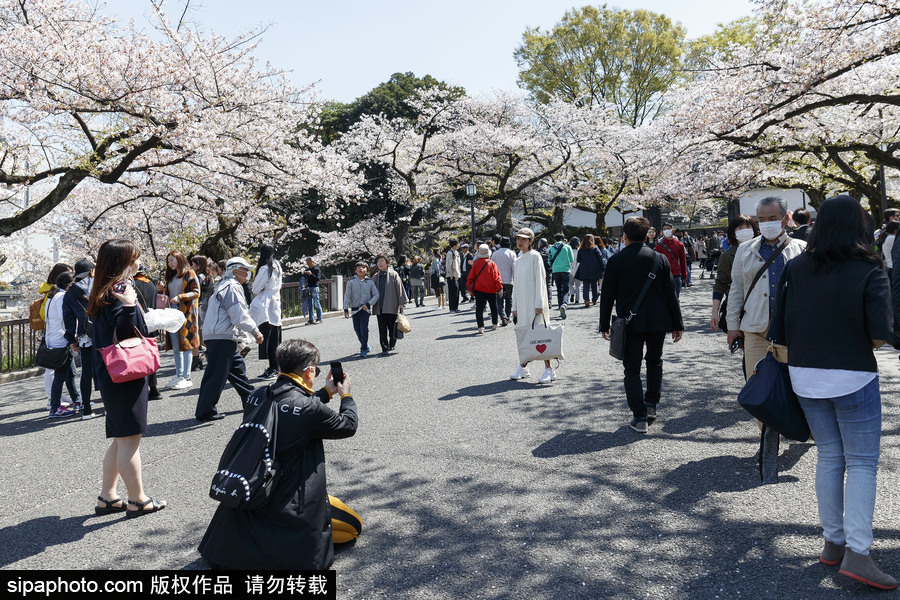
265	309
55	337
529	297
886	243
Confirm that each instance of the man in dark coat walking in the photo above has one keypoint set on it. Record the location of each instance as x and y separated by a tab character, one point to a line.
292	531
626	273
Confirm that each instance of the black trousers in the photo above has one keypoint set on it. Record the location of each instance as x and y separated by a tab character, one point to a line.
634	390
87	376
453	293
271	339
482	299
463	292
223	364
386	323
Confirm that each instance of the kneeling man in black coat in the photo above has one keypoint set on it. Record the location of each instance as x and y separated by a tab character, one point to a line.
293	531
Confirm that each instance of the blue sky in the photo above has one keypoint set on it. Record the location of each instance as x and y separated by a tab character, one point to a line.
350	47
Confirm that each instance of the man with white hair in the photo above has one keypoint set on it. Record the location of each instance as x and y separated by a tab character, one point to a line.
755	273
227	316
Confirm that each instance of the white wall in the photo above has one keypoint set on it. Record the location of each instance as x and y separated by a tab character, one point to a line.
795	199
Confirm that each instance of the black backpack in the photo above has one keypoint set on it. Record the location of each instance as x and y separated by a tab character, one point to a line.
248	472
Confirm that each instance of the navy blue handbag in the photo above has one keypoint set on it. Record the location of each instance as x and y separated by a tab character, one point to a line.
769	397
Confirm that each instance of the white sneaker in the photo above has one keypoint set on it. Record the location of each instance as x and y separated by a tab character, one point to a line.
183	384
173	382
547	377
520	373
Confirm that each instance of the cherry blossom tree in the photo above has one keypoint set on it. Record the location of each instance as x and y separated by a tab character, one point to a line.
132	132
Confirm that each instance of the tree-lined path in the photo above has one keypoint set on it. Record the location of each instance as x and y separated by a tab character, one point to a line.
474	486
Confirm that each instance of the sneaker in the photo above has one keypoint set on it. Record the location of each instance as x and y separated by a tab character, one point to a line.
88	417
639	425
318	322
173	382
547	376
520	373
62	412
154	395
268	374
76	406
481	331
364	352
651	413
504	322
183	384
562	312
62	403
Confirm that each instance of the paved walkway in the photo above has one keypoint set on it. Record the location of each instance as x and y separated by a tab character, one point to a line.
474	486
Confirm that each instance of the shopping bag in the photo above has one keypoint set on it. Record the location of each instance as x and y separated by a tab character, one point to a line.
403	324
539	340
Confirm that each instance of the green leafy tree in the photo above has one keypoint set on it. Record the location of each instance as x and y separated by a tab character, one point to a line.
599	55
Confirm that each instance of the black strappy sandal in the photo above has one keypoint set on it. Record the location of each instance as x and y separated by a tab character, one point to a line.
109	508
141	511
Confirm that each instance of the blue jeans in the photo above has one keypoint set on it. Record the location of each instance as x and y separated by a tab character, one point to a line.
65	375
312	302
848	438
561	280
182	358
677	279
361	327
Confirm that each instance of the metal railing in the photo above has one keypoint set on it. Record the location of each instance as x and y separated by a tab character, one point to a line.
292	303
18	343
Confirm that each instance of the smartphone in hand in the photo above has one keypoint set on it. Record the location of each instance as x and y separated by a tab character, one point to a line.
120	286
337	372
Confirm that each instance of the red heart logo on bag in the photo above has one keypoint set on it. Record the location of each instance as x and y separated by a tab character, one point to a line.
540	348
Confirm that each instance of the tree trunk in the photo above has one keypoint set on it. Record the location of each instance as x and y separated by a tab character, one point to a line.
558	220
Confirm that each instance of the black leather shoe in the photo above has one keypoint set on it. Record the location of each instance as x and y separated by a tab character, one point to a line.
215	417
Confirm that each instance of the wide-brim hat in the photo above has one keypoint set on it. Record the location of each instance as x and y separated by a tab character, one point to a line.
525	232
483	251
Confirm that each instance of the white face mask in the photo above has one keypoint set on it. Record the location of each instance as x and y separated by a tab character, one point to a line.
744	235
667	233
770	229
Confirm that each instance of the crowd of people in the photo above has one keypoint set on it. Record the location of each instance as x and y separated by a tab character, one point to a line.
836	271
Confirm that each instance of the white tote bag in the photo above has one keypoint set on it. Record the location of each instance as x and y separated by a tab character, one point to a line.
539	340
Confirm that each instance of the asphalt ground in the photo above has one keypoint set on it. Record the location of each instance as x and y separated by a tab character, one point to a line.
471	485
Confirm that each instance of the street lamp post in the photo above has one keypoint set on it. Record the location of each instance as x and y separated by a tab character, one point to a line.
882	183
470	192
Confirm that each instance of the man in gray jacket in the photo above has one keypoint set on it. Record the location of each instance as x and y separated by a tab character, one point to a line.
360	295
227	316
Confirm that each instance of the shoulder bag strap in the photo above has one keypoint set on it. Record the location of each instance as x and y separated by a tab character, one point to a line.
637	304
479	272
667	249
759	274
555	256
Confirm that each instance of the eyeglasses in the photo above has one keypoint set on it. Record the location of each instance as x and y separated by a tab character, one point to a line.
318	370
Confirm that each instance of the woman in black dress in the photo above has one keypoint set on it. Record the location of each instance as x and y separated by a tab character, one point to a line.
126	403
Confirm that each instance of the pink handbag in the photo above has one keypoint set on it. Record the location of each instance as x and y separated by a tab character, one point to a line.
131	359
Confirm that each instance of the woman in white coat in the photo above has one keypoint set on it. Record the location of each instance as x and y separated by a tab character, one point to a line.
529	297
265	309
